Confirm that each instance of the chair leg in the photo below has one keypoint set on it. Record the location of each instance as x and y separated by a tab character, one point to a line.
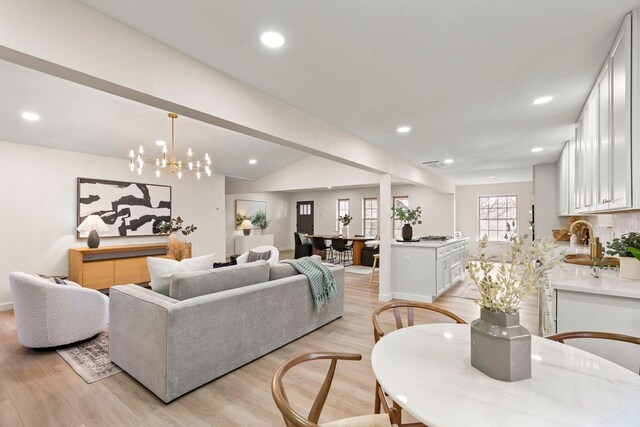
377	403
373	271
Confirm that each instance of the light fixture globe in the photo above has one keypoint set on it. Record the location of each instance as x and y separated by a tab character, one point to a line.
169	160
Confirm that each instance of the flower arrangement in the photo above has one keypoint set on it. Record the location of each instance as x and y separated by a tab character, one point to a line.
522	269
177	248
175	225
240	219
260	220
406	215
345	219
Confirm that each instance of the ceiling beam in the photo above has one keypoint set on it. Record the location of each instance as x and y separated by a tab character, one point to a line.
70	40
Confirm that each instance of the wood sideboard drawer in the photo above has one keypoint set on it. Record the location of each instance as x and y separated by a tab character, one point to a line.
106	266
98	274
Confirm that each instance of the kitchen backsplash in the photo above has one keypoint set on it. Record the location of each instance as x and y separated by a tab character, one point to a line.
608	226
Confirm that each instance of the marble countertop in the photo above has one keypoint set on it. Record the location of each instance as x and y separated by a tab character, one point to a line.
426	369
431	243
577	278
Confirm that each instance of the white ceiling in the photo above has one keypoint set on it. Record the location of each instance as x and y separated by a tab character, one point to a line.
82	119
463	74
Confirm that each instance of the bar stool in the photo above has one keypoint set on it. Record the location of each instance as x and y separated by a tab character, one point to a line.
373	269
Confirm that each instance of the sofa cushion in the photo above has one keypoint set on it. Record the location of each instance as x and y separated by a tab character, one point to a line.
161	270
193	284
280	271
256	256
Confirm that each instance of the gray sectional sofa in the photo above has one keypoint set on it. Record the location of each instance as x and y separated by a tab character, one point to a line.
211	323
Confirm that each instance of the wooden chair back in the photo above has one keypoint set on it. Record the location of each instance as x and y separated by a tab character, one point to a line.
562	337
410	306
293	418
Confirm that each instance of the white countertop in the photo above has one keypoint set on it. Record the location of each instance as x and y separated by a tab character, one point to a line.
426	369
430	243
577	278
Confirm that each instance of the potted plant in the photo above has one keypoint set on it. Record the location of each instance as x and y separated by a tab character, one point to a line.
500	346
260	221
345	220
176	247
409	217
627	247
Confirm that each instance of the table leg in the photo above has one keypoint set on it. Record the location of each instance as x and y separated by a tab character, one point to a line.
358	246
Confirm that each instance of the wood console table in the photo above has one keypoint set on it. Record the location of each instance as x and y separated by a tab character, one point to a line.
107	266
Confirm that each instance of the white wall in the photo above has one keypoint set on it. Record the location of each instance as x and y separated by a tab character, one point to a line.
437	208
38	215
545	194
279	212
467	208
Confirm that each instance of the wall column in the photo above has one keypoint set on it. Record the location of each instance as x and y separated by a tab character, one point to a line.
386	232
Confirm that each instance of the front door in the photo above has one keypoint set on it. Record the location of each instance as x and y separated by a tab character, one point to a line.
304	217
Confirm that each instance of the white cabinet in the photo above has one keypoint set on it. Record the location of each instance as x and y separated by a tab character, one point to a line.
424	271
562	172
620	132
595	172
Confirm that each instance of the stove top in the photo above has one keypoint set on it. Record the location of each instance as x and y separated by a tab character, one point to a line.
440	238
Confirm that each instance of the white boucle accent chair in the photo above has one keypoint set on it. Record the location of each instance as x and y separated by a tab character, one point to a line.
273	259
51	315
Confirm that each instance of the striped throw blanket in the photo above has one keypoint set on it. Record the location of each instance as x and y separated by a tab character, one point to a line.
321	280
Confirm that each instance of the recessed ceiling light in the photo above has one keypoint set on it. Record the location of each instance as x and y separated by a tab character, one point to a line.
537	149
160	142
32	117
253	161
490	177
272	39
448	161
542	100
404	129
329	188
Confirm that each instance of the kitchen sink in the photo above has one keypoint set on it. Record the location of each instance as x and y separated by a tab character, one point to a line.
584	259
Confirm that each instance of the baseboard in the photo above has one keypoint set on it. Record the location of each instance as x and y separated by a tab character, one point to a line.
384	297
411	297
6	306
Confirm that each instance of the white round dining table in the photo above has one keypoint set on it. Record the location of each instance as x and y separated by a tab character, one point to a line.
426	369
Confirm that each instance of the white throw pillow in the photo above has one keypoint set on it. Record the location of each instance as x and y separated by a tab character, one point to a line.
161	269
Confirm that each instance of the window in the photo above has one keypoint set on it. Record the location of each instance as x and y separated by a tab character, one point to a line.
370	217
397	225
494	213
343	209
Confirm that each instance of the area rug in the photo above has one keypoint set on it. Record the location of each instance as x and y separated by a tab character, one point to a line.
90	359
466	289
358	269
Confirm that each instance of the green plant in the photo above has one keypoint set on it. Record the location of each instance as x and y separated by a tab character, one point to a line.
406	215
625	245
260	220
345	219
175	225
240	218
523	268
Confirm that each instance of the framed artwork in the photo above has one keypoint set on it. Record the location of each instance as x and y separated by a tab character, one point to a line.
128	208
247	209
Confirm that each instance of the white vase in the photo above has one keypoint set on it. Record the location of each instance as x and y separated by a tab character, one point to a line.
629	268
345	231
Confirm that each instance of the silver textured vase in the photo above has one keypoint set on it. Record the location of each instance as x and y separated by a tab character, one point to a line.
501	346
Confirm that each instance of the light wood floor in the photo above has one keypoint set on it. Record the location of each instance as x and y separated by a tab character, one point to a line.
40	389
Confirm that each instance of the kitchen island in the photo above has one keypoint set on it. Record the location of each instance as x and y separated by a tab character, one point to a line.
576	301
422	271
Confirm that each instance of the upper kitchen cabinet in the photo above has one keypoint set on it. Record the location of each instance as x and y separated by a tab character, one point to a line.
619	134
599	162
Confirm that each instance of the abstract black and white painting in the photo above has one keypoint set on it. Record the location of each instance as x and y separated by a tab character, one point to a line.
128	208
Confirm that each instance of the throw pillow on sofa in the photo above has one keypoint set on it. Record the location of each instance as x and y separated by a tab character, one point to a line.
194	284
257	256
161	270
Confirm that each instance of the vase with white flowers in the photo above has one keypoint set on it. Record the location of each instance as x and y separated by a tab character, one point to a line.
500	345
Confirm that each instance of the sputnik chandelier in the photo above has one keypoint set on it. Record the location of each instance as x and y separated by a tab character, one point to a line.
169	160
